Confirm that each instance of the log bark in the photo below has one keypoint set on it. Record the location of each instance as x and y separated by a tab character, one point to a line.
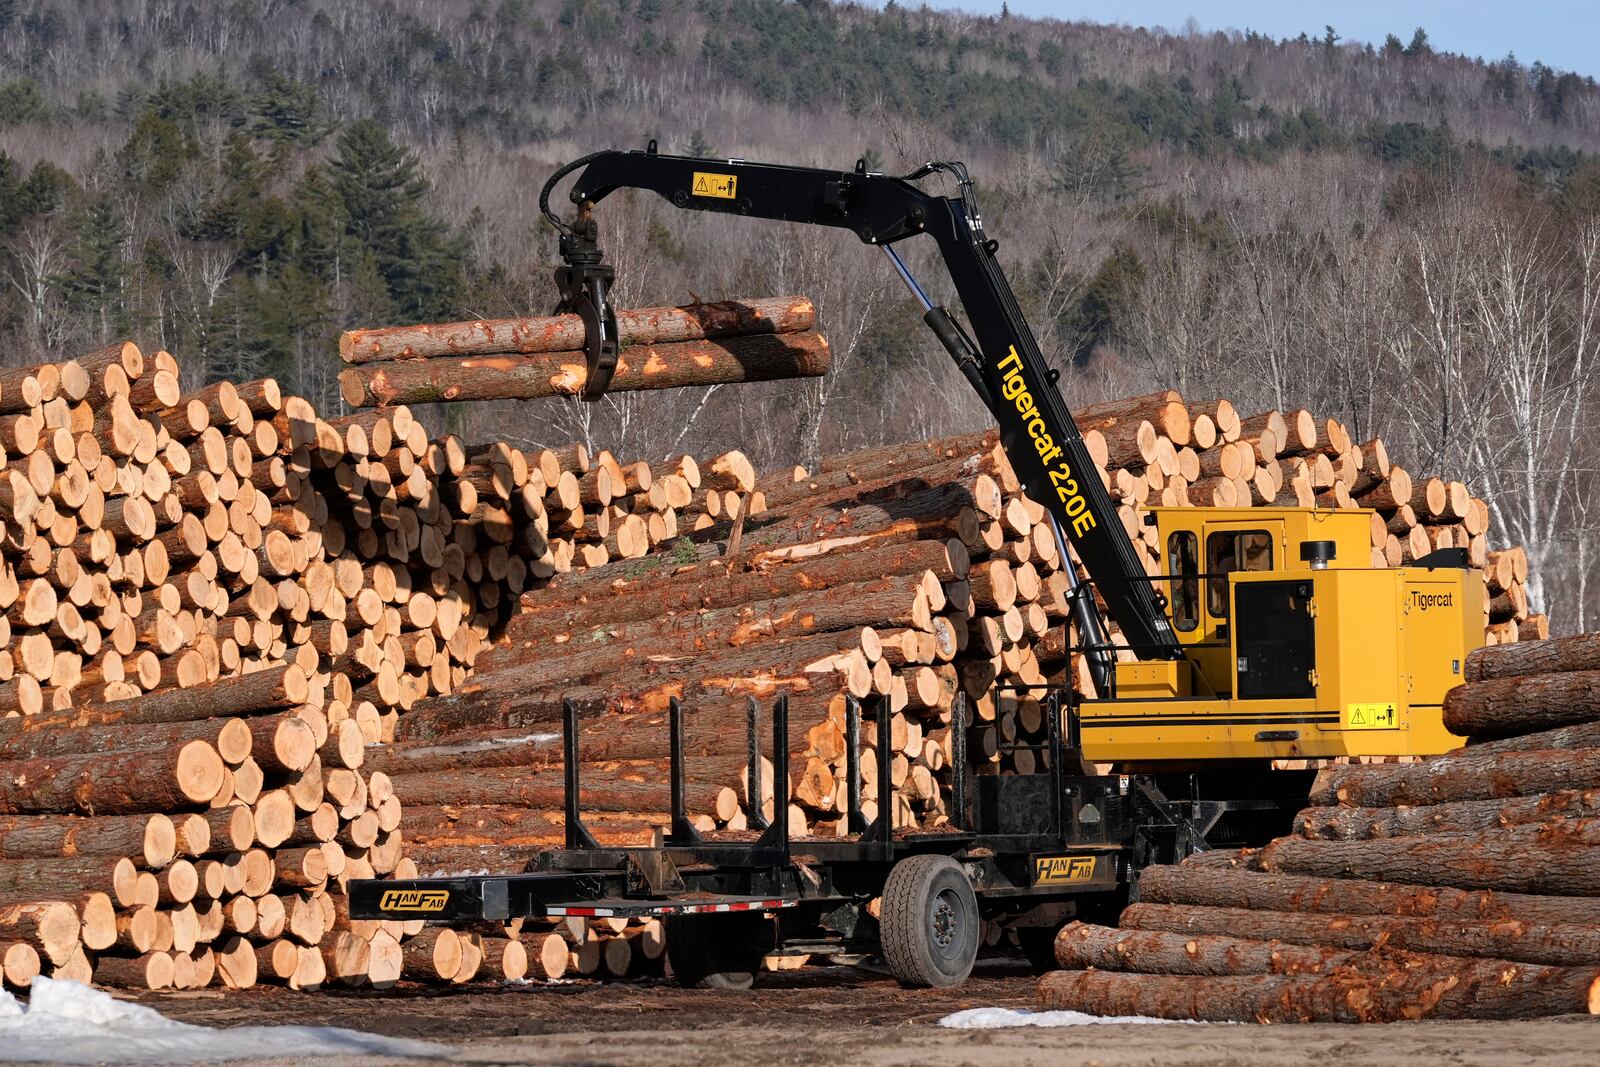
1582	736
112	783
276	687
756	358
1295	892
597	653
1475	992
601	790
149	838
1466	816
1080	946
708	729
822	565
460	825
1549	858
565	333
1458	776
1580	652
1507	706
1552	944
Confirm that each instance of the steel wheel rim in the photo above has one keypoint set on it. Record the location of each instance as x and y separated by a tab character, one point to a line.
946	924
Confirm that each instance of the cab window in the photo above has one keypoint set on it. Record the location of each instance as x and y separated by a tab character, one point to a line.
1228	551
1183	563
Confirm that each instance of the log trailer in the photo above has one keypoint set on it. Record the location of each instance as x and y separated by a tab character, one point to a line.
1269	638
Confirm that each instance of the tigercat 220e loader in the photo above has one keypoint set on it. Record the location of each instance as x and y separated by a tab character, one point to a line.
1267	638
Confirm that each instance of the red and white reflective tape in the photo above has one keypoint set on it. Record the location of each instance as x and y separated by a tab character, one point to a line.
672	909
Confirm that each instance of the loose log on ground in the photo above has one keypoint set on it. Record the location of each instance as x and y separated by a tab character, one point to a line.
1080	946
1296	892
1481	992
1549	944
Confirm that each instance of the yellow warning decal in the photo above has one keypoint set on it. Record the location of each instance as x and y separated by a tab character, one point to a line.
1370	717
1061	870
413	900
720	186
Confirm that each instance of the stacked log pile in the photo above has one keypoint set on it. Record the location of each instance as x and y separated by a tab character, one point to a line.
866	589
214	604
1157	449
1463	886
256	653
912	572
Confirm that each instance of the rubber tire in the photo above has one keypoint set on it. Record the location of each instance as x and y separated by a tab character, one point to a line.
1039	947
714	951
918	957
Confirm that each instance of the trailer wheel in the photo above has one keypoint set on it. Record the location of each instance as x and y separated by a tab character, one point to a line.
715	951
928	923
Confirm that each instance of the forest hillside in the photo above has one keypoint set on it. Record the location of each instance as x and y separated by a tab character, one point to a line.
1405	239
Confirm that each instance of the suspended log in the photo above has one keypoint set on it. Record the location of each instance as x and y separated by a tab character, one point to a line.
565	333
754	358
560	609
601	790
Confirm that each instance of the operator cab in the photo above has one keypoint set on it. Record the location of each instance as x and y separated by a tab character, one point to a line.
1294	646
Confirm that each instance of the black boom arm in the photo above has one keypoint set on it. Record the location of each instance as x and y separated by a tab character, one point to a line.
1005	367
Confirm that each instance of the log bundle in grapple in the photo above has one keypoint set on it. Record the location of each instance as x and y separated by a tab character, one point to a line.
1462	886
257	652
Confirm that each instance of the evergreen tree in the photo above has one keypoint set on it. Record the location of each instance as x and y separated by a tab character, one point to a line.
1419	43
93	285
286	110
381	188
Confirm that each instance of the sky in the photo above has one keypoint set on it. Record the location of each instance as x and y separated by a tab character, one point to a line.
1562	33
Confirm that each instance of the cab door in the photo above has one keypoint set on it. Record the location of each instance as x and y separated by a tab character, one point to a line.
1226	548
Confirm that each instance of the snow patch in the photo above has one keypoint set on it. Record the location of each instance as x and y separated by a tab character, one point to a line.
68	1022
1001	1018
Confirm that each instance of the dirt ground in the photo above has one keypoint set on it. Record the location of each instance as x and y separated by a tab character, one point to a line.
839	1015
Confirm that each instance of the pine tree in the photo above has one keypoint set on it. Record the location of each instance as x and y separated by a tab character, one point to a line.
381	188
287	110
93	285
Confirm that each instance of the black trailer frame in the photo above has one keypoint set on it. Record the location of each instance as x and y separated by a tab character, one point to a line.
1037	848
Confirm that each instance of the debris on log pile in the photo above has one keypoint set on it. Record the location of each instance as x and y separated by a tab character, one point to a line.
1461	886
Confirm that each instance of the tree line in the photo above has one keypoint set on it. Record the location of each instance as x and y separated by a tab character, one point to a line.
1399	237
